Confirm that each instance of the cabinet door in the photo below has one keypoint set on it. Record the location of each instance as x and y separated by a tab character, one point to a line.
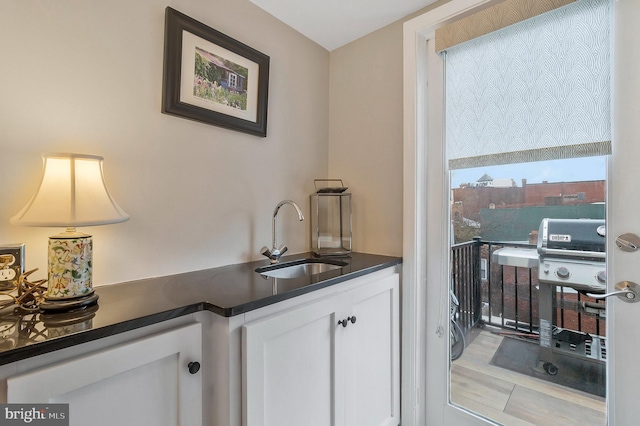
373	388
145	382
291	375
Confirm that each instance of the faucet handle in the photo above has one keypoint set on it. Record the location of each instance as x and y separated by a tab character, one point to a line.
273	254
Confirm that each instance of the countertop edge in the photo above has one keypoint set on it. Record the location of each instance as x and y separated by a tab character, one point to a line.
241	309
86	336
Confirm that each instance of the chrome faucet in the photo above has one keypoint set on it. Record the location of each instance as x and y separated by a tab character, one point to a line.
275	252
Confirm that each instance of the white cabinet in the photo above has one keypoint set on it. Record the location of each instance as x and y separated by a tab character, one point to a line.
292	372
374	341
304	367
144	382
301	366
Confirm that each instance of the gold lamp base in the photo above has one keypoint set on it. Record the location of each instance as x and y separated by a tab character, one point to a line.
68	304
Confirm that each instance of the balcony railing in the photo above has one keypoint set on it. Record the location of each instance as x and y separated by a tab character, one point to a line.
507	296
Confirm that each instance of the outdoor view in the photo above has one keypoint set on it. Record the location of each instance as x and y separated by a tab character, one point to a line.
220	80
505	304
507	202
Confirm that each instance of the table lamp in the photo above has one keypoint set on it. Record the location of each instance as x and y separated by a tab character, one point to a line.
72	193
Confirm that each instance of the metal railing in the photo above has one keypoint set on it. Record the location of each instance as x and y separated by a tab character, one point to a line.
507	296
465	282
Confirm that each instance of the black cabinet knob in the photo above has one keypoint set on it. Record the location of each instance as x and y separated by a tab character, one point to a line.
345	322
193	367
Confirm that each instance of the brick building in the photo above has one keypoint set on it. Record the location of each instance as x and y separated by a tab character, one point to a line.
511	213
470	200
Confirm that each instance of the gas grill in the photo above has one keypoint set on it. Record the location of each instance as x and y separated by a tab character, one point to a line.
571	254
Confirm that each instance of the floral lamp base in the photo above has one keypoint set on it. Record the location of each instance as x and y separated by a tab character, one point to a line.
70	270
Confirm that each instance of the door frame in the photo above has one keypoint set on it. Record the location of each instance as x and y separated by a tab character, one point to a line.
424	344
421	183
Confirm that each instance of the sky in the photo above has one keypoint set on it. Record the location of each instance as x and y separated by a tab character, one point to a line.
569	170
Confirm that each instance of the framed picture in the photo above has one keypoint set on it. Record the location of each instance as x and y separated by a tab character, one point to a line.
212	78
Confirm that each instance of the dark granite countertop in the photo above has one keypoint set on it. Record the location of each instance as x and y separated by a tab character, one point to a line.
227	291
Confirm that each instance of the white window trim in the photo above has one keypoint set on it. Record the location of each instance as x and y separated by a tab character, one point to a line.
416	321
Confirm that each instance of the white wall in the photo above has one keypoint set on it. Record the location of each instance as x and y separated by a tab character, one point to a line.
85	76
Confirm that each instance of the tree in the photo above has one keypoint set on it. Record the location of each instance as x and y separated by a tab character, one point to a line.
201	66
214	74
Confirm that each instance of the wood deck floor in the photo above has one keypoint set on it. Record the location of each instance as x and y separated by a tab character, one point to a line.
514	399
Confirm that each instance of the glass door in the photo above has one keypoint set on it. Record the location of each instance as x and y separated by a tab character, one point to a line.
527	120
426	264
505	372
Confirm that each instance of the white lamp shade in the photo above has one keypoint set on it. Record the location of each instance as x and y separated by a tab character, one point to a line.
72	193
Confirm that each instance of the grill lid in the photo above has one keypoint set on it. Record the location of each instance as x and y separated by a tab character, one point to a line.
571	237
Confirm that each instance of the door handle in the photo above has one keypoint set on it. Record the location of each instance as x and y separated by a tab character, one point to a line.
627	291
628	242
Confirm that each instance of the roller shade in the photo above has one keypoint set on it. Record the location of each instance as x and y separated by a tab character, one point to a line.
494	18
536	90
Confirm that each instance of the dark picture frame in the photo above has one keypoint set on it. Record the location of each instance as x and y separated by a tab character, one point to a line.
212	78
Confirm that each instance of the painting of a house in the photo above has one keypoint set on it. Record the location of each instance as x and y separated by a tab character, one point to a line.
220	80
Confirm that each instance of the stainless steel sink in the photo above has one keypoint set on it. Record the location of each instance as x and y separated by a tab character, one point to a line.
300	268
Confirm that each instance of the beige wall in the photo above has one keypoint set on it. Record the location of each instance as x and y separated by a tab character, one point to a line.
85	76
365	146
